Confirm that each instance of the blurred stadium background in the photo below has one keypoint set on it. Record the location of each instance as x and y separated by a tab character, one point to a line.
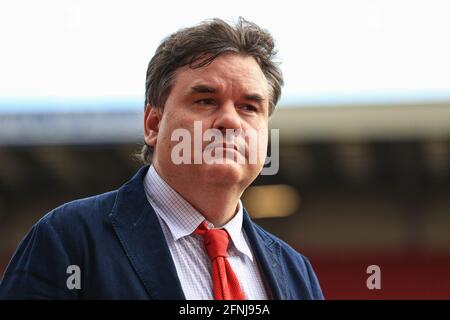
364	127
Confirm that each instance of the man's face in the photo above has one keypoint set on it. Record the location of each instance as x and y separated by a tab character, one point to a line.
231	93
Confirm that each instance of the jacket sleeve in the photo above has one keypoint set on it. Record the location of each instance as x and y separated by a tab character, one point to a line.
38	269
316	291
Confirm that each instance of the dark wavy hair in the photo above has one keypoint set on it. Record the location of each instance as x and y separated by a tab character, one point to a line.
198	46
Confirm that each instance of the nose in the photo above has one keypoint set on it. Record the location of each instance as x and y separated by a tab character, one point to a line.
227	118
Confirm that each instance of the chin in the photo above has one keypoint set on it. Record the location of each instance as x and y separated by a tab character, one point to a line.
227	173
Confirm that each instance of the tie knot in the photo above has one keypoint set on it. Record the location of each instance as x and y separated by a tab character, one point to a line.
215	240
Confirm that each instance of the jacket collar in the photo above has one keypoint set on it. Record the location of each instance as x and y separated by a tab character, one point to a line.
268	253
142	238
182	218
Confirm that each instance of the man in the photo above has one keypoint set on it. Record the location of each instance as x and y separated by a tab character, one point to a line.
177	230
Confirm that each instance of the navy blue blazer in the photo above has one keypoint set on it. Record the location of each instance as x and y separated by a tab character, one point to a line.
116	240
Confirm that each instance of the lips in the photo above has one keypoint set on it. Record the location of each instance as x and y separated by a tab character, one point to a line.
224	147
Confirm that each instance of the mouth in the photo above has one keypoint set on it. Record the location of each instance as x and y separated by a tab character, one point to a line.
224	150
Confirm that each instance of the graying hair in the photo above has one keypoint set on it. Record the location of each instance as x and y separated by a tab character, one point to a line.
197	47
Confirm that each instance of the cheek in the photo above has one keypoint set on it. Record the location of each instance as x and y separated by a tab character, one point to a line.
169	123
173	131
263	141
166	127
262	148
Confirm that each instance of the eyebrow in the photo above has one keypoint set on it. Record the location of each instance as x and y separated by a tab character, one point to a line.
254	97
201	88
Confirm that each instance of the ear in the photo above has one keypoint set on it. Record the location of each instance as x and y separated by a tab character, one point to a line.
152	118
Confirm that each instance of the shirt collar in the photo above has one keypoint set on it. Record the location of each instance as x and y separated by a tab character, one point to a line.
234	229
182	218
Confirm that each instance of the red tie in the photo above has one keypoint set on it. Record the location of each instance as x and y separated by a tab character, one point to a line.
225	284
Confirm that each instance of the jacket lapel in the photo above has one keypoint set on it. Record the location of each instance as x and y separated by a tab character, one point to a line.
138	228
142	238
268	254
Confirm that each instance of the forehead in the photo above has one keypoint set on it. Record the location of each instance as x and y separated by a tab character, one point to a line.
225	72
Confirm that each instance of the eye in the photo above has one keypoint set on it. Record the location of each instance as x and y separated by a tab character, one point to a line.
206	102
249	107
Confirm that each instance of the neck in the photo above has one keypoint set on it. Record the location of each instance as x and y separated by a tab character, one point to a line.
216	209
216	202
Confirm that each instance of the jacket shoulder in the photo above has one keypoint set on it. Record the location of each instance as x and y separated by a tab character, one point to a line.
59	239
270	238
90	209
297	266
